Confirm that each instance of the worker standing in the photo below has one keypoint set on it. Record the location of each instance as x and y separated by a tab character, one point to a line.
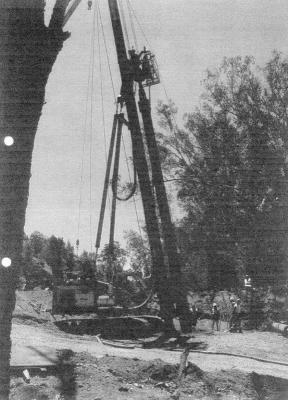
235	320
238	316
215	317
194	316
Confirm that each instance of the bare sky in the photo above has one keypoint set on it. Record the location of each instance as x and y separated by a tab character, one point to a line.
187	36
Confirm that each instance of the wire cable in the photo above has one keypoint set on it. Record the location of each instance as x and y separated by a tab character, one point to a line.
122	14
85	128
107	53
115	178
133	198
91	128
140	26
132	25
101	88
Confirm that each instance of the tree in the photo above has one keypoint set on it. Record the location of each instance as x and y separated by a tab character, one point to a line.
54	255
69	256
28	51
257	109
87	263
230	166
27	253
37	243
41	255
138	253
204	191
112	260
37	274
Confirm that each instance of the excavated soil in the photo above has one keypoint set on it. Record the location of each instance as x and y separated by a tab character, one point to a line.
33	305
80	376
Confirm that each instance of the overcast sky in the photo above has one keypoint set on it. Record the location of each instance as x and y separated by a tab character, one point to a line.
187	36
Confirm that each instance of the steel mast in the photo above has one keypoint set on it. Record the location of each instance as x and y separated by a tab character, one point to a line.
166	279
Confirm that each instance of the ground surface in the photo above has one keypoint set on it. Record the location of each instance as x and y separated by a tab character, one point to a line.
88	369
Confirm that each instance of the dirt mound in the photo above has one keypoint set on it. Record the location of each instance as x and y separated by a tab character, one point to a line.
196	382
85	377
139	370
33	305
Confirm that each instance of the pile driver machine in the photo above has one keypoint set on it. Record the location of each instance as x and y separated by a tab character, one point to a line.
138	71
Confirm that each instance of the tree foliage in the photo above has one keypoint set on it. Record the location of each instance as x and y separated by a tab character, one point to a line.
139	253
54	254
37	243
44	258
229	163
111	261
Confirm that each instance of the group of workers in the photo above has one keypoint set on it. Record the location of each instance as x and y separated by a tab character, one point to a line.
234	320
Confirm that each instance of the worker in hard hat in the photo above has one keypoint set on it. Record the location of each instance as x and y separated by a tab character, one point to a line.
194	316
235	320
215	317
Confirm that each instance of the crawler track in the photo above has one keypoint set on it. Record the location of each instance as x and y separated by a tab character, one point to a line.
125	327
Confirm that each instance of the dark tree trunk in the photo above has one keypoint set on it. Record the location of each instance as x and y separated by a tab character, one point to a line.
28	50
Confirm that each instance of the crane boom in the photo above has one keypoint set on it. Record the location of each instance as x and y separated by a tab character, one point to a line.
71	11
167	278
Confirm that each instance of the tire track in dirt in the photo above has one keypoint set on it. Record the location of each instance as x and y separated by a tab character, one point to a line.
48	340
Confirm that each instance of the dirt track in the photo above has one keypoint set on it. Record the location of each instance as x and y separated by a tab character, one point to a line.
266	345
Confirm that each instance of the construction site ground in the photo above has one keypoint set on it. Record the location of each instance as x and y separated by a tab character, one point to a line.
221	365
